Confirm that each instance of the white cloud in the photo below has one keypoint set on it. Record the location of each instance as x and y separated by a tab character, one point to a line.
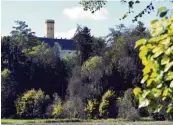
68	34
77	13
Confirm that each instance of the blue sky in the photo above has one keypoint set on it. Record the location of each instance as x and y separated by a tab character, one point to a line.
67	14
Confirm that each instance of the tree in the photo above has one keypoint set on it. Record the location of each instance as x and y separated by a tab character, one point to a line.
33	64
115	33
12	46
22	36
71	60
95	5
156	55
84	43
99	45
121	61
92	72
8	93
127	106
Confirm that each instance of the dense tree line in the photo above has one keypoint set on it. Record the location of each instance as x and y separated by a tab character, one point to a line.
94	82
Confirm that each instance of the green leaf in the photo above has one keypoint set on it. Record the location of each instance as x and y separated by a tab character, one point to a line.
160	85
144	103
156	92
163	14
169	50
158	109
168	66
145	93
140	42
161	9
158	53
171	84
169	76
170	108
165	60
163	99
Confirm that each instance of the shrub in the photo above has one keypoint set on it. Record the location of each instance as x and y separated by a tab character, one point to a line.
126	109
57	107
92	108
57	110
158	116
106	102
32	104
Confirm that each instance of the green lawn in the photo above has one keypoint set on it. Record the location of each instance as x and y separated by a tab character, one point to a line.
22	121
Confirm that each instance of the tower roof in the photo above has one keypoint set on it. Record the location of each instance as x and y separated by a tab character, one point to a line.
50	21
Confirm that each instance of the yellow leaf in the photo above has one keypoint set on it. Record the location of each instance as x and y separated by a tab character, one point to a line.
148	67
149	82
153	75
144	61
136	91
143	52
153	22
140	42
166	42
153	40
144	78
165	60
165	92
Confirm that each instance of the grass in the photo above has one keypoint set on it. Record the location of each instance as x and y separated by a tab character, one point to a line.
24	121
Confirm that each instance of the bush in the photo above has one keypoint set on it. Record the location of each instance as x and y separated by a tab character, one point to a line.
32	104
158	116
57	110
92	108
57	107
106	102
126	109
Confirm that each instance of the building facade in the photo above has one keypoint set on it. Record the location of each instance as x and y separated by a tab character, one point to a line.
66	45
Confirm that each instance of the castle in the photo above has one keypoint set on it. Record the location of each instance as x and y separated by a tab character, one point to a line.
66	45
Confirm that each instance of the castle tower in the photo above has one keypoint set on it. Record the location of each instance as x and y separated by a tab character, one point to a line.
50	28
